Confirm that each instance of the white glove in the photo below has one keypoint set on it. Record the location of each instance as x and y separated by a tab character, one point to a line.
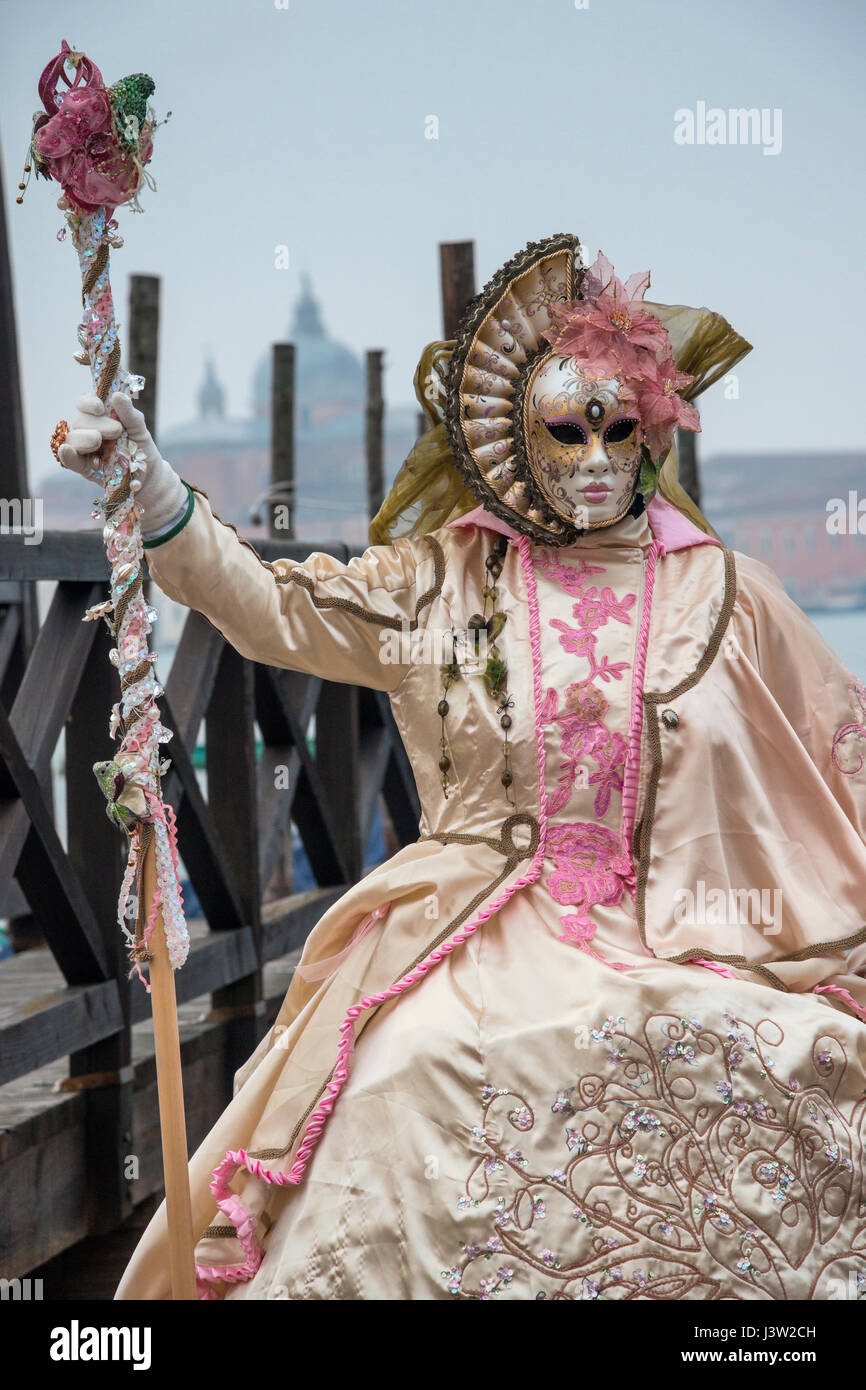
162	497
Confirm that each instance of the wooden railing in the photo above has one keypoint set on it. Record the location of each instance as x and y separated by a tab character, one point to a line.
230	842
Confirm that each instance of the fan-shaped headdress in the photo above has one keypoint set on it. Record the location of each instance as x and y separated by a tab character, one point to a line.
473	390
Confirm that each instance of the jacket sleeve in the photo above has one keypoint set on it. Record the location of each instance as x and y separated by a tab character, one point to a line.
823	702
350	622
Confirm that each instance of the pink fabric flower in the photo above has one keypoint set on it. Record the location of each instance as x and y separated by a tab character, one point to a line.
76	142
608	326
612	335
589	866
661	408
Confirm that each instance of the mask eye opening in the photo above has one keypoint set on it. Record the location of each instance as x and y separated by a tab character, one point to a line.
618	431
566	432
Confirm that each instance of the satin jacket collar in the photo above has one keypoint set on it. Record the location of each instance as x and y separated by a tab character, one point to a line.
669	526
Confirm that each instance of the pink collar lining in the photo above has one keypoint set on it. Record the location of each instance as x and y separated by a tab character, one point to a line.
669	526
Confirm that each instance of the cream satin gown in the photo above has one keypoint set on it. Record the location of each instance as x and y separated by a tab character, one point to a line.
554	1113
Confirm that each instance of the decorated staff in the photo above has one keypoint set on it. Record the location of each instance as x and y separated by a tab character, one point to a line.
96	142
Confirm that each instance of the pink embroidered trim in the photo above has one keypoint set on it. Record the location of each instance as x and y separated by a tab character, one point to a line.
235	1159
845	994
583	731
592	865
580	930
635	729
855	729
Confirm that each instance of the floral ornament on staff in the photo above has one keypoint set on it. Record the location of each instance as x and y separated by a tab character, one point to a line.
95	142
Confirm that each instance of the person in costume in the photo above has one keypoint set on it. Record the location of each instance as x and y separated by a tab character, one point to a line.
599	1032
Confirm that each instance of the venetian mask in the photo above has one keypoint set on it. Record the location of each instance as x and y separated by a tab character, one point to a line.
583	442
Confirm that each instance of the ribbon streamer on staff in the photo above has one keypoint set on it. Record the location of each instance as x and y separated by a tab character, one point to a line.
95	141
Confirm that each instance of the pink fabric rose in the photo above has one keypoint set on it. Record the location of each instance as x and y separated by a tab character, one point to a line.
661	408
76	142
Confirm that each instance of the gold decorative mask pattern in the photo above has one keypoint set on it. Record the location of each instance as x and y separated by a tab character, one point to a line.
582	440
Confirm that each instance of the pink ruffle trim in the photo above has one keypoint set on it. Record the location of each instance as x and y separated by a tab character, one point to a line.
844	994
635	731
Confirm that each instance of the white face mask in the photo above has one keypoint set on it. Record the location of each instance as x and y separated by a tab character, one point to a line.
583	440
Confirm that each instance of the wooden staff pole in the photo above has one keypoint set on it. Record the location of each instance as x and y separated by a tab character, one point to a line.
169	1083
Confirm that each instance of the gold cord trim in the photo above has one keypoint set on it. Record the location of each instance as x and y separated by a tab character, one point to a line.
95	269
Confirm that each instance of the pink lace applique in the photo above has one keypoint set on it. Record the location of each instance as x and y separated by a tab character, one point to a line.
591	865
593	609
584	735
589	868
855	730
584	732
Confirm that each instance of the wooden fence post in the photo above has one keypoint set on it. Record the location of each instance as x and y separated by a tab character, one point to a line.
19	618
96	851
457	273
142	349
282	442
687	464
374	432
338	741
231	777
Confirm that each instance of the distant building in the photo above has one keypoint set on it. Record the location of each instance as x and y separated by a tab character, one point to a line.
784	510
230	458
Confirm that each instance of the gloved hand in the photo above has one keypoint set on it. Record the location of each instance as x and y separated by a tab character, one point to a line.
162	495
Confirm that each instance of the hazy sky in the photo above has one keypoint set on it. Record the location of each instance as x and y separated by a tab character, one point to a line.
305	126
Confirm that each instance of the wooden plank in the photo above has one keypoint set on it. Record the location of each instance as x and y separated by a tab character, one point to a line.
274	804
36	720
45	875
287	924
37	1031
312	808
44	1209
53	672
190	682
79	556
214	960
299	693
13	456
70	556
10	631
688	473
200	844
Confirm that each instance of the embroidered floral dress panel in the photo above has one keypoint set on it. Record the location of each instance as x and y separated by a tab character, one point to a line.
589	598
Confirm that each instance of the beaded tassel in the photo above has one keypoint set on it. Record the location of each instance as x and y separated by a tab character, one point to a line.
496	673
